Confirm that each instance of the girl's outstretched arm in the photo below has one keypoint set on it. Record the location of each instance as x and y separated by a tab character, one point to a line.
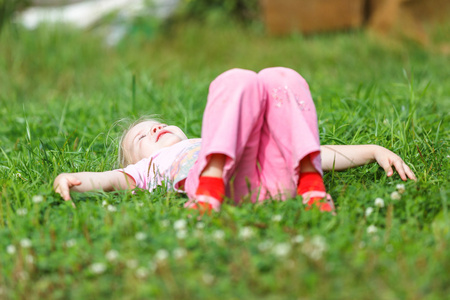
342	157
88	181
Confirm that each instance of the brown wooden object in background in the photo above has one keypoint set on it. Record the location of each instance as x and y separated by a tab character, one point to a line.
309	16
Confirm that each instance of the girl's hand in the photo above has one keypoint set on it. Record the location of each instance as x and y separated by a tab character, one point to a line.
89	181
386	159
63	183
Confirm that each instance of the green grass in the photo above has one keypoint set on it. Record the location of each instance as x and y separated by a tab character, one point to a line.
61	91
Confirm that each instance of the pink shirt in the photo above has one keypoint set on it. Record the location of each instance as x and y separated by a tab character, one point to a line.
170	165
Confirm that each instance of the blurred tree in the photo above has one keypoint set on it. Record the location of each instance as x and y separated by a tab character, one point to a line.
243	10
54	2
8	7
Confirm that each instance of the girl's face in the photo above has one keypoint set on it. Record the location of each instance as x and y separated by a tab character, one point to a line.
145	138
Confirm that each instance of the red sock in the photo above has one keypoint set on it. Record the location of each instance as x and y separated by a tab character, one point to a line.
212	187
309	182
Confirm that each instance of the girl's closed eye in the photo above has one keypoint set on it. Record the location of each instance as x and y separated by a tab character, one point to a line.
142	136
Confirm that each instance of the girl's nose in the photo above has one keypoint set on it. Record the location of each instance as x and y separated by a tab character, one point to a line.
156	128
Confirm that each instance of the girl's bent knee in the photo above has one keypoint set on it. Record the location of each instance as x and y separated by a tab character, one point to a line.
241	74
276	74
278	71
238	79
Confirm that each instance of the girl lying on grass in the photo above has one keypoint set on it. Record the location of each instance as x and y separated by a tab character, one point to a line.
259	140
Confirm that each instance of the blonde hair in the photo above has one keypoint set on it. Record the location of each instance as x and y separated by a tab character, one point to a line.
123	158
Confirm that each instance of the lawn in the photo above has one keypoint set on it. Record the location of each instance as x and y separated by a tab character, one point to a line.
62	92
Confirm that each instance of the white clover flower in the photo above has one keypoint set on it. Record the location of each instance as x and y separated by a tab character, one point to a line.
104	203
389	248
396	196
37	199
23	275
25	243
29	259
161	255
112	208
207	278
140	236
319	242
265	245
98	268
140	204
112	255
198	233
218	235
277	218
315	247
180	224
11	249
369	211
200	225
152	266
22	211
179	253
372	229
281	249
400	188
379	202
362	245
132	263
246	232
298	239
165	223
181	234
141	273
70	243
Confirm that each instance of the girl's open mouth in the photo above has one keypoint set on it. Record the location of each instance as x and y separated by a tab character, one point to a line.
161	134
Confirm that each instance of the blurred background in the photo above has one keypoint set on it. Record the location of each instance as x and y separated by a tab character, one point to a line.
407	17
114	51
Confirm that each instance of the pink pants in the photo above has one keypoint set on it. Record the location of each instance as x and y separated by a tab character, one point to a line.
265	123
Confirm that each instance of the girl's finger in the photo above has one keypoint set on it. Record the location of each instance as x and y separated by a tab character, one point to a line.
66	195
74	181
64	192
399	167
410	173
387	167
